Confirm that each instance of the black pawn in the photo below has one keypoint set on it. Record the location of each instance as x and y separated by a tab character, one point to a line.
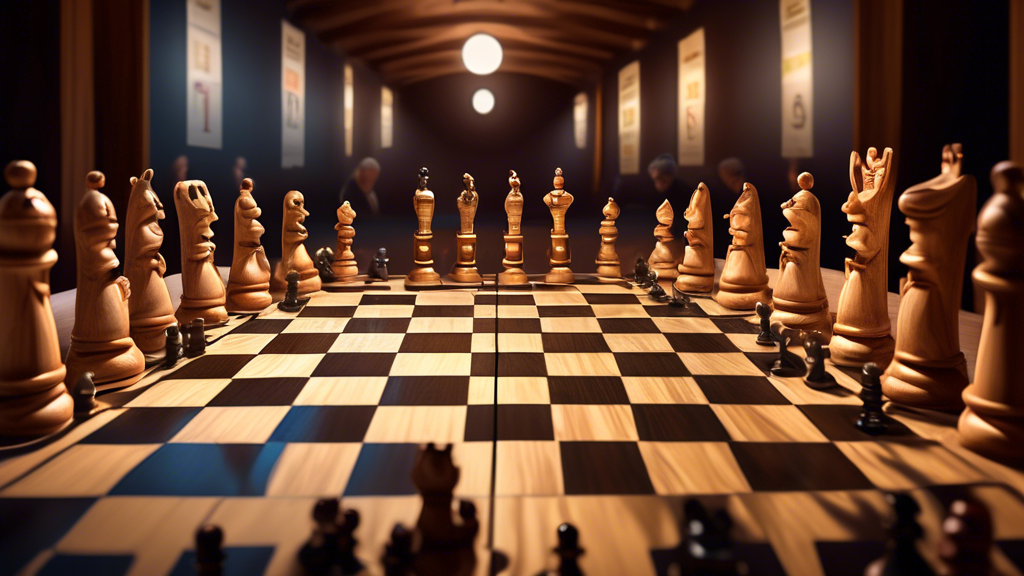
657	292
378	269
569	550
398	553
291	302
871	420
764	314
322	549
196	338
173	347
901	556
788	365
817	377
209	551
324	262
679	299
83	394
347	543
641	272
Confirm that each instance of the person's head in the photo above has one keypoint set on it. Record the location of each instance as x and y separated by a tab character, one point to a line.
366	174
662	171
180	168
732	174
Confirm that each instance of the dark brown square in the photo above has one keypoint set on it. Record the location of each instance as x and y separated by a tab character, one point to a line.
387	300
355	364
517	326
426	391
324	424
504	299
628	326
442	312
522	364
682	342
838	422
437	343
678	423
587	390
626	299
211	366
801	466
525	422
263	326
485	325
604	468
484	364
300	344
668	311
735	326
565	311
377	326
260	392
479	423
740	390
574	342
650	364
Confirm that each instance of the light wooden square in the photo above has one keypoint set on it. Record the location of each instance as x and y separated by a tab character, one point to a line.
517	342
313	469
485	311
275	313
528	469
316	326
748	343
680	468
82	470
483	342
439	424
570	325
686	325
708	364
445	298
342	391
556	298
523	390
241	343
422	364
232	425
756	423
517	311
663	390
441	325
385	311
474	462
797	392
481	390
715	309
593	422
619	311
335	299
280	366
581	364
637	343
179	393
902	466
364	342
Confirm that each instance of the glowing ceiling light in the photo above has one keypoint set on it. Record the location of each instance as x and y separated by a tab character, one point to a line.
483	101
481	54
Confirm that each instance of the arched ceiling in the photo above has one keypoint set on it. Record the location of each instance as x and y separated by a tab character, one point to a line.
409	41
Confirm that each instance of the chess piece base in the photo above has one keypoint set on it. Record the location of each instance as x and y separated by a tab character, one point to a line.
345	271
37	414
115	364
148	335
694	283
932	387
253	300
425	276
859	350
513	276
815	317
560	275
742	297
609	270
212	311
666	271
992	430
465	274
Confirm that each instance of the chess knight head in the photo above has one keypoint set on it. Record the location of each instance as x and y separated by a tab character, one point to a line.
144	237
804	214
95	229
434	472
743	214
700	205
248	230
294	215
195	214
469	194
869	205
665	214
346	215
28	222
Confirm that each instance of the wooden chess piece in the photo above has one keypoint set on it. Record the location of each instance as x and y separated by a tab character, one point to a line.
744	280
209	551
992	424
861	333
202	289
697	270
788	365
293	250
174	346
83	394
344	265
901	556
966	539
799	296
248	289
398	555
764	316
558	202
150	310
871	419
292	302
465	254
196	343
33	398
100	340
423	257
608	265
443	544
513	260
666	256
817	377
928	369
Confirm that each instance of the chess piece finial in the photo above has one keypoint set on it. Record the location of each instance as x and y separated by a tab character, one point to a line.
423	273
558	202
744	280
513	260
697	270
608	265
294	255
344	264
667	252
203	291
248	289
465	269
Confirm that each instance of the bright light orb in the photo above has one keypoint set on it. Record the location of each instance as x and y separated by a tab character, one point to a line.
483	101
481	54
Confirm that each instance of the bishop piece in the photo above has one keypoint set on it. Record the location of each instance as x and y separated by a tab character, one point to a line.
344	265
667	251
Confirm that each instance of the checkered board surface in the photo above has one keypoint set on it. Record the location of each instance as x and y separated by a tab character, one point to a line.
589	404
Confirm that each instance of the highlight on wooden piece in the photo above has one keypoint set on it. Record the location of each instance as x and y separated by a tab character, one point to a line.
862	330
293	249
558	202
100	340
344	265
744	280
249	280
992	424
202	288
667	253
697	270
928	369
608	265
465	269
513	260
33	398
423	256
150	310
799	297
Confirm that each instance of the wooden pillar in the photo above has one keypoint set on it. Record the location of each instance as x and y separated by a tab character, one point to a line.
599	136
878	75
1017	80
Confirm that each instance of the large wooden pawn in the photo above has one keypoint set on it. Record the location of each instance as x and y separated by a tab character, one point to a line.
666	255
744	280
697	270
344	265
465	269
249	280
608	265
202	288
293	249
558	202
423	273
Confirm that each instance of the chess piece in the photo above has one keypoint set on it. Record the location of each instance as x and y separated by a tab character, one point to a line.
667	254
100	340
344	265
607	260
643	276
928	369
697	270
248	289
33	398
966	539
657	293
861	333
209	551
173	346
423	258
744	280
83	394
764	313
568	551
871	419
513	260
817	377
293	250
679	299
901	556
706	546
445	547
465	259
398	553
203	292
323	259
799	297
992	424
378	269
196	343
150	311
323	548
292	302
788	365
347	543
558	202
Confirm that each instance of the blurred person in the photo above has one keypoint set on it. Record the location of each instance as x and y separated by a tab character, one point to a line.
359	189
241	164
732	174
664	172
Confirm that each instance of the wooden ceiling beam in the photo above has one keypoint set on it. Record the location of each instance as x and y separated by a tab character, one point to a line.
558	74
512	56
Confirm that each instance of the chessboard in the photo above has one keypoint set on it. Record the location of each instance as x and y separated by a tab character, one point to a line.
588	403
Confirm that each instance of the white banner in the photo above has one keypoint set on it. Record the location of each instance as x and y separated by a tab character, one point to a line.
350	93
629	119
203	77
579	120
387	117
692	87
293	96
797	79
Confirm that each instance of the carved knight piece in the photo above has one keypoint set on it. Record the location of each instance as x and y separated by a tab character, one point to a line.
697	271
203	292
744	280
666	255
293	249
249	279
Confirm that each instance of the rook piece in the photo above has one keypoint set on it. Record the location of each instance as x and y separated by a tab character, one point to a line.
513	260
789	365
293	250
744	280
196	344
33	398
862	332
799	297
993	422
378	269
203	293
173	346
697	271
249	280
292	302
928	369
84	394
209	551
817	377
966	539
901	556
150	310
446	547
871	419
101	341
465	254
607	260
344	265
667	252
558	202
764	313
423	257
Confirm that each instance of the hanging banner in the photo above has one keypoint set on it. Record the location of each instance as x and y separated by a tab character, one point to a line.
691	99
797	79
579	120
387	117
350	92
203	77
629	119
293	96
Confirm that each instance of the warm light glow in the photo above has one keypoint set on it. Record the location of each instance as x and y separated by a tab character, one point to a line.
483	101
481	54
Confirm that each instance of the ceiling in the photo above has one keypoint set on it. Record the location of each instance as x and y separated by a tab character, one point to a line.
409	41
